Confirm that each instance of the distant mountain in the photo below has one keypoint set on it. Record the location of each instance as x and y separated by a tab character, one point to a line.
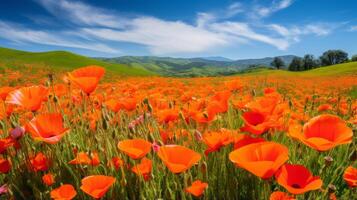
217	58
205	66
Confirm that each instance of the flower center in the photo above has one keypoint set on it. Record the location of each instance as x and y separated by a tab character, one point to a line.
295	186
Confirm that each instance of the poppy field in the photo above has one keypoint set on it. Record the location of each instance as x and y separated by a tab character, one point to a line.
87	134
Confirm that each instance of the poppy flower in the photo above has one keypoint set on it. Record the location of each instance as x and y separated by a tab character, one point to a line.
322	132
97	185
116	162
262	159
278	195
143	169
4	91
216	140
244	139
64	192
87	78
48	179
135	148
256	122
29	98
350	176
47	128
324	107
39	162
83	158
297	179
6	143
178	158
5	165
197	188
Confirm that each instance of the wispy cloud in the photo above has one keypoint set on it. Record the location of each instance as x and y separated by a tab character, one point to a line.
20	34
353	28
294	33
162	37
95	28
265	11
81	13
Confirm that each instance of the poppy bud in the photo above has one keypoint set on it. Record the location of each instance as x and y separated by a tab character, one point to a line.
204	167
155	147
328	160
17	132
3	189
253	93
198	135
331	188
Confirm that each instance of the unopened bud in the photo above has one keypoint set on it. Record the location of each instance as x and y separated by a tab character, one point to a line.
17	132
328	160
331	188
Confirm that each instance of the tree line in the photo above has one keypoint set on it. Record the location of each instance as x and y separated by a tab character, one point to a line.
330	57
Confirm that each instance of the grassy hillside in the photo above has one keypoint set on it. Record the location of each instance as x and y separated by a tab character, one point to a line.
334	70
62	60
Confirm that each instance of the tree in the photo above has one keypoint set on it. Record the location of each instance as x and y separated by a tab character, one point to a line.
354	58
309	62
277	63
332	57
295	64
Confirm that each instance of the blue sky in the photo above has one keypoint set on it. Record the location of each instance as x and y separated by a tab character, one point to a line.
180	28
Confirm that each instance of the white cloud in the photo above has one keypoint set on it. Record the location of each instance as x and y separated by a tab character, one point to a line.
262	11
243	30
161	36
80	13
211	30
20	34
353	28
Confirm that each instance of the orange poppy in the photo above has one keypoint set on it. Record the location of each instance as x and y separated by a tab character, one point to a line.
48	179
350	176
47	128
135	148
5	165
244	139
143	169
97	185
255	122
29	98
178	158
197	188
6	143
322	132
297	179
39	162
216	140
64	192
116	162
278	195
4	91
262	159
83	158
324	107
87	78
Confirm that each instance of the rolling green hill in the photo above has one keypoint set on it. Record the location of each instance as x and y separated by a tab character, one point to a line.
62	60
333	70
207	66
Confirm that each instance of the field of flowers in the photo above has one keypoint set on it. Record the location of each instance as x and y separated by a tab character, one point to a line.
81	135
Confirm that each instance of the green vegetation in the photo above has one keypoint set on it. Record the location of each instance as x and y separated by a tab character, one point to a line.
333	70
62	60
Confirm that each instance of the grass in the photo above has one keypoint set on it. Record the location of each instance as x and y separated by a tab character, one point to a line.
63	61
334	70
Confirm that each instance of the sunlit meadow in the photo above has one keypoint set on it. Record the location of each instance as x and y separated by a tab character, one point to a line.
84	135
